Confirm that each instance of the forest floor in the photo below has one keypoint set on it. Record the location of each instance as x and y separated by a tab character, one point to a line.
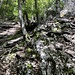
51	52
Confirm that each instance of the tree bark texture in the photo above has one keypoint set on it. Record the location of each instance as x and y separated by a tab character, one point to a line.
24	32
36	8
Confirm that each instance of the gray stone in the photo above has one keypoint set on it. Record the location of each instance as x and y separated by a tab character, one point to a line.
69	8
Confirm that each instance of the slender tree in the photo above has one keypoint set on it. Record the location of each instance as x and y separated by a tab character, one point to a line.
25	14
1	3
22	23
37	14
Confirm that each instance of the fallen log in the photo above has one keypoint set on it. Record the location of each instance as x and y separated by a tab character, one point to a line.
12	43
5	26
70	52
69	38
11	31
15	40
63	20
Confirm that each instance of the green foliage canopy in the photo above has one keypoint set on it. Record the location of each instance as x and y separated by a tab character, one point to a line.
9	8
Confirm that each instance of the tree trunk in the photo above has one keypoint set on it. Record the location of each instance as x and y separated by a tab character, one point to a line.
26	17
37	15
1	3
24	32
25	14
